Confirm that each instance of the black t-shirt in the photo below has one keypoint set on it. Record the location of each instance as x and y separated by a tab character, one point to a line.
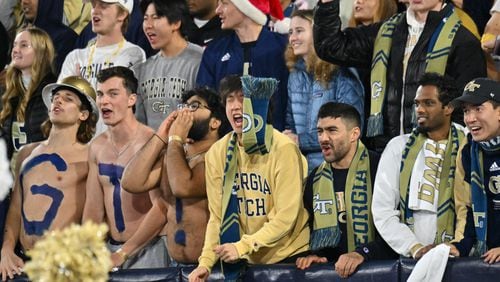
377	249
4	47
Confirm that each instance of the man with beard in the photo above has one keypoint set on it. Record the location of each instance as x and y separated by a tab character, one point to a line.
413	209
178	166
338	195
135	221
429	37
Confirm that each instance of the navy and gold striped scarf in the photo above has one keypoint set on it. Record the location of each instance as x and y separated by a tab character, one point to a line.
478	192
256	139
437	56
446	205
358	195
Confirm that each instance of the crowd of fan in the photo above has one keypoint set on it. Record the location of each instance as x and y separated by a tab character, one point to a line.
251	131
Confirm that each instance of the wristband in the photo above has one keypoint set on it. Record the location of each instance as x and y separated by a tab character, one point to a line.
162	140
122	254
414	250
488	37
177	138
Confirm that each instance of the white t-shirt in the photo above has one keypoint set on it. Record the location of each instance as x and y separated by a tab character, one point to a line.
122	54
496	7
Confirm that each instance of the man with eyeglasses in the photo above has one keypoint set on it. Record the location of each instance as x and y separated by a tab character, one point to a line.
168	159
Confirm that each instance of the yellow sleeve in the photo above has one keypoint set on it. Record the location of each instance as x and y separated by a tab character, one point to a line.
77	14
462	197
214	173
287	193
468	22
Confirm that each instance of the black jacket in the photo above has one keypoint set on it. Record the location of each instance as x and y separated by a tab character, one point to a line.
202	35
4	47
354	47
34	115
479	11
49	18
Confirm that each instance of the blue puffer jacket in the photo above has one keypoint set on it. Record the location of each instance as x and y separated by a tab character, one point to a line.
305	97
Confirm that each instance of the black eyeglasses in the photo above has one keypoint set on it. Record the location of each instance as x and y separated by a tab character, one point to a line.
193	106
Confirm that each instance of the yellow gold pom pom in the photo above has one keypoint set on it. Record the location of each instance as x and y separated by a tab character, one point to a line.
76	253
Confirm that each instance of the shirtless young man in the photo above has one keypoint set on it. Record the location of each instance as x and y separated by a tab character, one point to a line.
179	168
49	192
134	220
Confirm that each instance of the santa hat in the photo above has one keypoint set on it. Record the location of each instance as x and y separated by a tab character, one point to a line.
258	9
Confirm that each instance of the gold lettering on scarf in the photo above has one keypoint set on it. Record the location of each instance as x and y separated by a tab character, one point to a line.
359	209
431	173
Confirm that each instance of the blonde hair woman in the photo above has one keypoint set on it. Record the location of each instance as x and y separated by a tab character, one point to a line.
311	83
31	68
366	12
